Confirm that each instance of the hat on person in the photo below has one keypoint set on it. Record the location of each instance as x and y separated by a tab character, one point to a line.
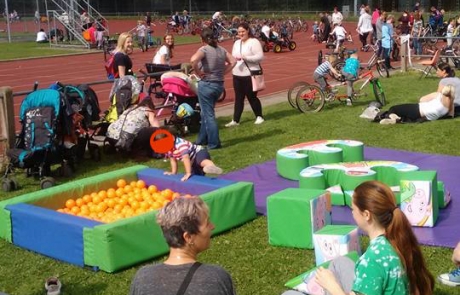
184	110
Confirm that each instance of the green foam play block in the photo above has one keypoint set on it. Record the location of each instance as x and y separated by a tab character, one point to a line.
293	159
335	240
294	214
444	196
419	197
306	282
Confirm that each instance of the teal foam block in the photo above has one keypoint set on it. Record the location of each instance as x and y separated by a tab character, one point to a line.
419	198
335	240
294	214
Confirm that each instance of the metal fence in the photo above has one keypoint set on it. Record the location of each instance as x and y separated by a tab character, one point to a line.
28	7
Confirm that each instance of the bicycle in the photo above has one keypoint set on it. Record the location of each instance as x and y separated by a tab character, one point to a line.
311	98
222	33
378	63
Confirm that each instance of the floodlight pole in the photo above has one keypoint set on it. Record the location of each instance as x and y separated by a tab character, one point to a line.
8	21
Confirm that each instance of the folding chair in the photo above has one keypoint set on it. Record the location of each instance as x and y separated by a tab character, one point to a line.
430	64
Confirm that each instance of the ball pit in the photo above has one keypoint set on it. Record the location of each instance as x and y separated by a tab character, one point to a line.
31	221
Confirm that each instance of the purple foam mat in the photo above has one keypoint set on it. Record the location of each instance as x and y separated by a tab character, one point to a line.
267	181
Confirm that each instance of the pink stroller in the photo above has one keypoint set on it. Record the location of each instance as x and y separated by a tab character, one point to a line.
185	115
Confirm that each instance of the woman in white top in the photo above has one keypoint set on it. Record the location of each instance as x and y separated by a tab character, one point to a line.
248	53
431	107
364	26
165	53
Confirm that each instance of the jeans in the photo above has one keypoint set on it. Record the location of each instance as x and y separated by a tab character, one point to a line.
386	56
417	46
208	93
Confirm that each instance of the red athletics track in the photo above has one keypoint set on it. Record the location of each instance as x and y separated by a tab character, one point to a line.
281	69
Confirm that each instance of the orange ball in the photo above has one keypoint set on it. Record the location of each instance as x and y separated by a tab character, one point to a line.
140	184
79	202
152	189
70	203
121	183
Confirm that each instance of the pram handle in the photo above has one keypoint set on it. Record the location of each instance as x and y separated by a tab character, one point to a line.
60	84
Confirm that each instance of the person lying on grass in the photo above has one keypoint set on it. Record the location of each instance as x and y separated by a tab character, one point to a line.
196	158
431	107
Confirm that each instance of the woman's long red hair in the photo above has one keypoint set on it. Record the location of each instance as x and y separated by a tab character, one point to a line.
378	199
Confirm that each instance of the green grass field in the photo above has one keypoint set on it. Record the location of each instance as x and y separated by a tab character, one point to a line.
256	267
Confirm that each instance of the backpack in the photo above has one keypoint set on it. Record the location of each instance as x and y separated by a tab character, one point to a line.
90	108
109	68
125	92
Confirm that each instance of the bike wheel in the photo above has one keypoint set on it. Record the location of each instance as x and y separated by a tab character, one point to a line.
310	99
292	45
277	48
378	92
382	70
293	90
338	65
265	48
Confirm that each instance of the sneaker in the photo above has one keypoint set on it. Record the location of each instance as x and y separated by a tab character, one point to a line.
450	279
53	286
212	169
387	121
259	120
349	102
232	124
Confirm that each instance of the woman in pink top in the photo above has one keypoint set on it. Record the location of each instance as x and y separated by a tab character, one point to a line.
375	17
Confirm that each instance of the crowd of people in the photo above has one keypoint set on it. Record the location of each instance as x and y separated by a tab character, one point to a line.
393	262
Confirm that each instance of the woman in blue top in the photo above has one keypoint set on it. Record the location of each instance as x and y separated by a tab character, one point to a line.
387	40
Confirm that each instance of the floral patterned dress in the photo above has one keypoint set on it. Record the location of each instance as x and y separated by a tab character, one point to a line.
136	119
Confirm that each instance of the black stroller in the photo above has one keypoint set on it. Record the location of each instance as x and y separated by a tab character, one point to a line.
41	143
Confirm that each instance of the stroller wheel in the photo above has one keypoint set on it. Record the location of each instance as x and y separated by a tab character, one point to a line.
47	182
7	185
65	170
15	183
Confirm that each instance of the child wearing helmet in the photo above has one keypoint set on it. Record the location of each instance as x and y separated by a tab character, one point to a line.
196	158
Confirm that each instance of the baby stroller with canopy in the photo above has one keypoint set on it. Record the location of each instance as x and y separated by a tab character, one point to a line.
40	144
181	92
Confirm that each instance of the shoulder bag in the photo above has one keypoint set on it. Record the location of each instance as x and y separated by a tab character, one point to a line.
257	76
188	278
